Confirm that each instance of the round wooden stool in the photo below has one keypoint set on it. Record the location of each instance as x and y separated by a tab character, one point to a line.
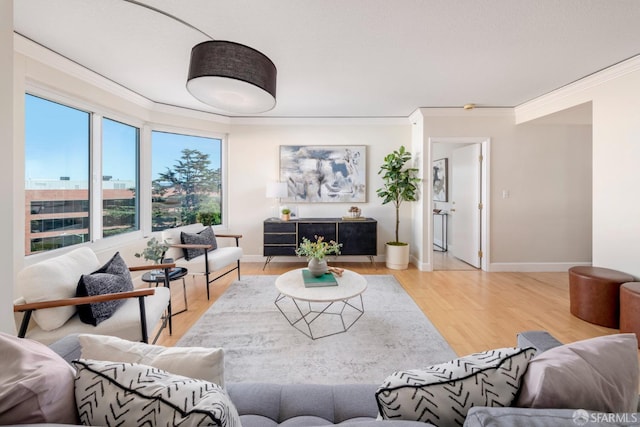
630	308
594	294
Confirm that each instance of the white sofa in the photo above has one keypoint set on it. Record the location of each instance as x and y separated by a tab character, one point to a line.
53	283
211	261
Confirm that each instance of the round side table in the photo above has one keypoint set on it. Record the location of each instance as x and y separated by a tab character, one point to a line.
174	274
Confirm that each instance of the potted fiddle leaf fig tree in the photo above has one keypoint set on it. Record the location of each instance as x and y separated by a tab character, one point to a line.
399	185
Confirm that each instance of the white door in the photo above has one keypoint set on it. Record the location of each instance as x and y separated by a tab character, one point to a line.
465	198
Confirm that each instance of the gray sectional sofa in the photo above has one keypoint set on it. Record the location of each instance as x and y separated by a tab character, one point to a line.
355	405
297	405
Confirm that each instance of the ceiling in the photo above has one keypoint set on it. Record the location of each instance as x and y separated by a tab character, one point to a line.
347	58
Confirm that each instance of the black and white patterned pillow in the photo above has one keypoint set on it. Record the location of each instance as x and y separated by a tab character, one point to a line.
442	394
112	277
204	237
129	394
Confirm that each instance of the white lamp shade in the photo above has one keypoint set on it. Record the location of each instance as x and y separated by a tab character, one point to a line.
277	190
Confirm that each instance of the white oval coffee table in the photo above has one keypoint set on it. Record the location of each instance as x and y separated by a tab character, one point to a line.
311	303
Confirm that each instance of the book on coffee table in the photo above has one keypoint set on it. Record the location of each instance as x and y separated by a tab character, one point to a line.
310	281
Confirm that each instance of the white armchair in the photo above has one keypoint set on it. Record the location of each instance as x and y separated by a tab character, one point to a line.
209	263
49	299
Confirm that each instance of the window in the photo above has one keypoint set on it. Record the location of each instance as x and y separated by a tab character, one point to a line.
57	140
186	180
120	210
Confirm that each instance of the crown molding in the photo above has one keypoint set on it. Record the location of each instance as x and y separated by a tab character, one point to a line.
190	113
574	93
52	59
316	121
461	112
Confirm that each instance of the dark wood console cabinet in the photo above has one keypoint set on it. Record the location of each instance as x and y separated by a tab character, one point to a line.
358	237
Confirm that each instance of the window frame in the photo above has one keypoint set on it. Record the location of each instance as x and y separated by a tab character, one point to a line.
97	112
157	127
138	179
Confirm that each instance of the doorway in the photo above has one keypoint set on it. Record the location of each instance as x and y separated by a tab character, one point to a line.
459	230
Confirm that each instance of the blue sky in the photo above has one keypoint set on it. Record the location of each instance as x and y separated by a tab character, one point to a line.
167	148
56	141
57	144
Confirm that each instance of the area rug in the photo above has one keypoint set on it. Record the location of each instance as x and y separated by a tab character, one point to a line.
261	346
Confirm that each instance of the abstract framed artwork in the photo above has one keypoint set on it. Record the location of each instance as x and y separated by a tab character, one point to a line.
440	184
324	173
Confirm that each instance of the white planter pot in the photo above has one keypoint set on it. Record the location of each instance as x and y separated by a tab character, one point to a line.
318	268
397	257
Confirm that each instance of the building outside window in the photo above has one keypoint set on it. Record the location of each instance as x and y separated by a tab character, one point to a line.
186	179
120	207
57	140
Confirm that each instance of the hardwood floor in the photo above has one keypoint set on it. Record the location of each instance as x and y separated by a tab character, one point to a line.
446	261
473	310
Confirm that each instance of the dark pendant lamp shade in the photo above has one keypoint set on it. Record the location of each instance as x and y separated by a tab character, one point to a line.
232	77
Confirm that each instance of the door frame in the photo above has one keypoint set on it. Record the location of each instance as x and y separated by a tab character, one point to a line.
485	194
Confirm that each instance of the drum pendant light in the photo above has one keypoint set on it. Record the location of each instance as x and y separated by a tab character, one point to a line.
232	77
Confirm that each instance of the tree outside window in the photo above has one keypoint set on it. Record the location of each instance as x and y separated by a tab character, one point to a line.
186	180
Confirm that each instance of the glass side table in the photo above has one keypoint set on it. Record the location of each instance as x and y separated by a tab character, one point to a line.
174	274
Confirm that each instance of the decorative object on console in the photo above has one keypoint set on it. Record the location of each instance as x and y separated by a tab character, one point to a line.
326	173
442	394
354	212
285	214
440	180
316	253
399	185
154	251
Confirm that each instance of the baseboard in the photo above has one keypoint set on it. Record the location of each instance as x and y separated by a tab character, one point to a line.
292	259
524	267
533	267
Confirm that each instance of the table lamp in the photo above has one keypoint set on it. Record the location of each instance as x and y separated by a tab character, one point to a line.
276	190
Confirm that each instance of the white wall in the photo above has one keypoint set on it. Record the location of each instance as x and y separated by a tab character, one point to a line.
616	156
254	161
7	222
545	224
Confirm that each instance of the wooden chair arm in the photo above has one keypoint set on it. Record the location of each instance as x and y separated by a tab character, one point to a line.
235	236
83	300
190	246
152	267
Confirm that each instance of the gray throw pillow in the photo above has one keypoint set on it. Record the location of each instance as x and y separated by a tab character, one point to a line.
204	237
112	277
